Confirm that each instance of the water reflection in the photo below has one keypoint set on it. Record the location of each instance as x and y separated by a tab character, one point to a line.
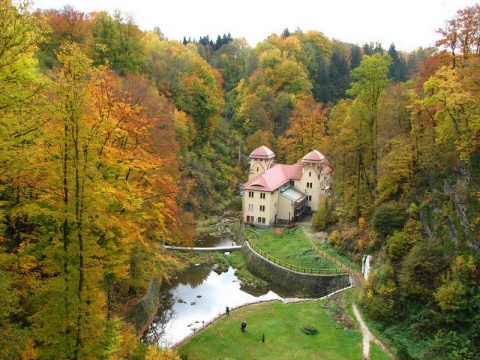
192	277
193	301
209	240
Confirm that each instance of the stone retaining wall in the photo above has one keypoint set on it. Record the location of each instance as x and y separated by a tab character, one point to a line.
314	285
143	310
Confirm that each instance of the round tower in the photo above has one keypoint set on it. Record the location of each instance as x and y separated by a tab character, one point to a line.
260	160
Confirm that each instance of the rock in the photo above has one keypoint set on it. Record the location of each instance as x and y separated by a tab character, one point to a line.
322	235
199	296
193	303
181	301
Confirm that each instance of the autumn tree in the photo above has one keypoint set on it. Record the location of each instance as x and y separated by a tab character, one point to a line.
266	99
461	36
105	194
396	154
19	121
66	25
192	84
307	130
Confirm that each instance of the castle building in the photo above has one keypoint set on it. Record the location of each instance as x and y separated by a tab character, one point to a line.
283	194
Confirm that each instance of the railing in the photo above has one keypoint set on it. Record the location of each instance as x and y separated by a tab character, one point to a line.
300	269
331	258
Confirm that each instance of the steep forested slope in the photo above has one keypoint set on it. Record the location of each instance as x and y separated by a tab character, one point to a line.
114	139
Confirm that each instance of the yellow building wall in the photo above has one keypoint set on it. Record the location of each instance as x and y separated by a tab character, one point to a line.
258	166
252	205
286	209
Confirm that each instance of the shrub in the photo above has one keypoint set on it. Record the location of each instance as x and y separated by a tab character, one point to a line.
325	216
309	330
388	217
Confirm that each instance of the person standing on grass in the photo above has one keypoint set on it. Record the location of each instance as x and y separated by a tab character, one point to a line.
244	326
227	310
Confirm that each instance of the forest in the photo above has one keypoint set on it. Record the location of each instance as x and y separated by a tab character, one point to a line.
115	140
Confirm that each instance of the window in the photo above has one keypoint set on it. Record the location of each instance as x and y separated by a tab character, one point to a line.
262	207
309	197
262	195
250	206
252	219
250	194
309	174
261	220
292	182
309	185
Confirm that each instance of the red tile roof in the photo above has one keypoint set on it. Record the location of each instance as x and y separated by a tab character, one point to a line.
313	156
274	177
262	152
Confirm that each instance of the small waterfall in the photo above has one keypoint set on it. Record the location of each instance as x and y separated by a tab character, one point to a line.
366	266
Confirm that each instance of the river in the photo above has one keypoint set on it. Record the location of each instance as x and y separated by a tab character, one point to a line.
199	295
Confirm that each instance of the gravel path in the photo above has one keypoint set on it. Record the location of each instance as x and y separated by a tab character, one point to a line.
366	334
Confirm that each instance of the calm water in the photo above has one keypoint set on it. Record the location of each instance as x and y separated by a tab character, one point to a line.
213	240
196	297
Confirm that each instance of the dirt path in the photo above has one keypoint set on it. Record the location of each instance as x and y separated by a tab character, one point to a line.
368	337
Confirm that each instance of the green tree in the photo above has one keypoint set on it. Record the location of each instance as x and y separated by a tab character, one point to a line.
422	270
339	75
348	145
387	218
370	81
397	71
117	43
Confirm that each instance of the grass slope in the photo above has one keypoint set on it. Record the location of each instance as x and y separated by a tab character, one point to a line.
293	247
281	325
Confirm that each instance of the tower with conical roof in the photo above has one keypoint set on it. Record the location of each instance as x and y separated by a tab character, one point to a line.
260	160
314	180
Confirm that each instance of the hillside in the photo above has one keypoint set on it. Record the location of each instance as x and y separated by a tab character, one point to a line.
116	140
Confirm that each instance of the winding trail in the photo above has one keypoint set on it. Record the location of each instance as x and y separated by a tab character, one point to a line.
367	336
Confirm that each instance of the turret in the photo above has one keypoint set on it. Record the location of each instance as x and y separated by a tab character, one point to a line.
260	160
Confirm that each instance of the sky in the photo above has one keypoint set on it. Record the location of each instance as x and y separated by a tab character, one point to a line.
408	24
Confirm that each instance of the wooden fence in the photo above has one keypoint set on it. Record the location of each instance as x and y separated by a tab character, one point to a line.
331	258
301	269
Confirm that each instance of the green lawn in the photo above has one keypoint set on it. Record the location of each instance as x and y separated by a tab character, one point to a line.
281	324
293	247
376	353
